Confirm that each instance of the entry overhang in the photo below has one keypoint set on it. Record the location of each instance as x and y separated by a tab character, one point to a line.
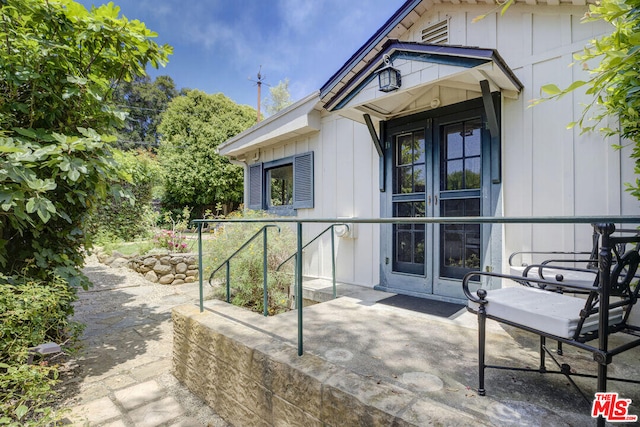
425	68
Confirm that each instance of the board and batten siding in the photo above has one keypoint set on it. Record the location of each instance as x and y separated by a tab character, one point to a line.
345	186
547	169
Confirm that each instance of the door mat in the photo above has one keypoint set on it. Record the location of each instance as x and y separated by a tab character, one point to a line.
422	305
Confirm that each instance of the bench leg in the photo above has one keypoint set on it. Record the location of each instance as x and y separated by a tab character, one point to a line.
543	342
482	321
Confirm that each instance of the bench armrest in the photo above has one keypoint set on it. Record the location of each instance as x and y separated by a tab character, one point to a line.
481	293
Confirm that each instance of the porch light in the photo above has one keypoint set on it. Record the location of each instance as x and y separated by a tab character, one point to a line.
388	77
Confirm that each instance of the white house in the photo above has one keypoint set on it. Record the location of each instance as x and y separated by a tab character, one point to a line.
454	136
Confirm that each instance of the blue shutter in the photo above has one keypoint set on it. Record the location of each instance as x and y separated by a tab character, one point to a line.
255	187
303	180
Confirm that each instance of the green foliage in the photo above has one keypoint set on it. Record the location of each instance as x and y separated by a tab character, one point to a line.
127	218
192	128
246	267
144	100
278	98
58	65
31	313
170	241
615	81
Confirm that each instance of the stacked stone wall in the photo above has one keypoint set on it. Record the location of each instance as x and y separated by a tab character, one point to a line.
165	268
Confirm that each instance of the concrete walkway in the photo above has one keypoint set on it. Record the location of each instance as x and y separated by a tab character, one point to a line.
122	376
124	373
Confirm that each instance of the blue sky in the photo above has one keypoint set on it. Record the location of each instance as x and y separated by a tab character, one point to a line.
220	44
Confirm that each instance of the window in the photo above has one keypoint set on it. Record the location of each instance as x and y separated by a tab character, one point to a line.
282	185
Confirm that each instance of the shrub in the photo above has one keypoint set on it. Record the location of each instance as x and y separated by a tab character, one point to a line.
246	267
129	217
31	312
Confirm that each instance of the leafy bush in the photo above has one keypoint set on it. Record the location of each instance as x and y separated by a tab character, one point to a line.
246	267
59	65
127	218
31	313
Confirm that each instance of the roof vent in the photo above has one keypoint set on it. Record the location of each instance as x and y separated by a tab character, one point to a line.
437	33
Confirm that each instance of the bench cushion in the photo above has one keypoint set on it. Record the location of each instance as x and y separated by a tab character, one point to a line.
545	311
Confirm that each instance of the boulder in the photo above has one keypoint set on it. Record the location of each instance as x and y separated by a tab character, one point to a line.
151	276
166	280
162	269
150	262
181	268
119	262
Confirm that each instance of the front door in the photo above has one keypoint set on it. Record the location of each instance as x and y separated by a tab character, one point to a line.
437	166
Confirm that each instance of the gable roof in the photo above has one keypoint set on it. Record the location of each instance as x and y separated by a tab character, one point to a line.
463	57
407	15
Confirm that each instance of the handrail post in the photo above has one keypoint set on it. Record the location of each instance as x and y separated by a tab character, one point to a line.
200	272
333	260
299	287
295	279
228	281
264	272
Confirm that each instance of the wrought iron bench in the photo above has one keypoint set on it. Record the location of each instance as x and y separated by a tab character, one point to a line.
571	313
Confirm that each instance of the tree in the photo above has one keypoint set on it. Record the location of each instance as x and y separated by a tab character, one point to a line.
278	98
59	64
192	127
144	100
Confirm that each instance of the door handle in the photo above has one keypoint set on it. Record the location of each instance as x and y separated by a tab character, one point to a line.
435	200
428	200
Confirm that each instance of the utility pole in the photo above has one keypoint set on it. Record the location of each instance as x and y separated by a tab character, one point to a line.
259	83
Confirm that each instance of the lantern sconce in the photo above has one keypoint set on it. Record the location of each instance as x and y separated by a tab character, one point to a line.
388	77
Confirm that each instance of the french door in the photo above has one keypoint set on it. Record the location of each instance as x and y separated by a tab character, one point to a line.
437	169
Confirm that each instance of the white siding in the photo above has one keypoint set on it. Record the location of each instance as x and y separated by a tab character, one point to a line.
547	169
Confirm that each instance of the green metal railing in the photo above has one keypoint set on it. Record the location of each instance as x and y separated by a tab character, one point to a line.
333	253
440	220
227	262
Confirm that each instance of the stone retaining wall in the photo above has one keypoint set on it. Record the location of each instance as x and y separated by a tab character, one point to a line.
167	269
251	379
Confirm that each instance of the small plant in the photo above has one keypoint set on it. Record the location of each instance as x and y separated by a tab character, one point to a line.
171	241
32	312
246	267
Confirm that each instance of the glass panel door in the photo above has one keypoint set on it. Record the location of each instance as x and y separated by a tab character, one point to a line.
437	166
460	191
409	184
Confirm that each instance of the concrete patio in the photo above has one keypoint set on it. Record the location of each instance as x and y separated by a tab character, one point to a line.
366	363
